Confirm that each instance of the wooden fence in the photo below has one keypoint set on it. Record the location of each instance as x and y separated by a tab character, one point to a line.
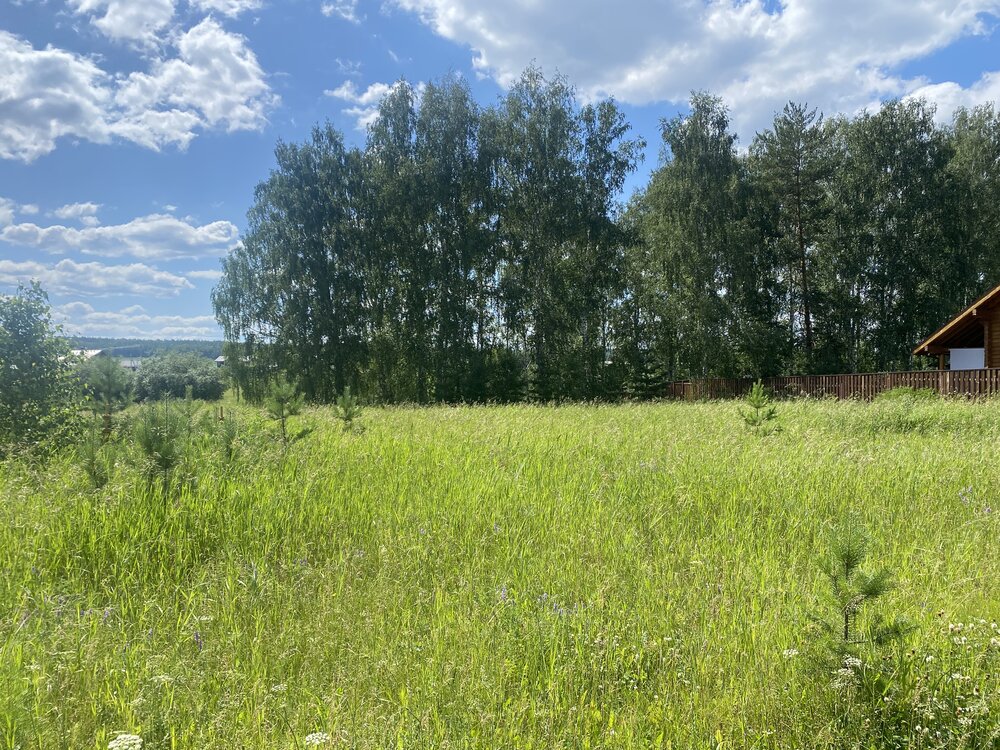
867	385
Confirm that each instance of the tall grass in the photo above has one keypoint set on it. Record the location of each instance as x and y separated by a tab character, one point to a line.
582	576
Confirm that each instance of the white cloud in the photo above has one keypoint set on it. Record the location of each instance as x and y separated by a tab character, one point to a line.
231	8
838	56
346	9
950	96
95	279
348	67
131	20
48	94
7	207
366	102
144	21
208	275
214	81
157	236
80	318
77	211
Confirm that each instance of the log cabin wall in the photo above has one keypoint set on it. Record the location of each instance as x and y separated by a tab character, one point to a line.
992	338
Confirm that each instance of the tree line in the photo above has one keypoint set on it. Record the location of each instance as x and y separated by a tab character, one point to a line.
483	253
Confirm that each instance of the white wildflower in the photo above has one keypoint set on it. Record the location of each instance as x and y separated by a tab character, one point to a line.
279	688
844	678
316	738
126	742
852	662
790	653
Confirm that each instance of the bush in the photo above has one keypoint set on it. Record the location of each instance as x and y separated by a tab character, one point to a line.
39	399
172	374
106	383
162	433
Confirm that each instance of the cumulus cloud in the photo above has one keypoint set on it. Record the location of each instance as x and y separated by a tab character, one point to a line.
229	8
346	9
950	96
48	94
82	319
153	237
366	102
208	275
78	211
94	279
7	207
838	56
127	19
214	81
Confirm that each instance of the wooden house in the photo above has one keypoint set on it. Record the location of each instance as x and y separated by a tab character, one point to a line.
970	340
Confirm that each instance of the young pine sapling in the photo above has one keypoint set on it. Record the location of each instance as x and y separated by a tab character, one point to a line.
348	408
283	401
762	414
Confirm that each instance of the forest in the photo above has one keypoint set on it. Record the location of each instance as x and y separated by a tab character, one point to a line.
477	253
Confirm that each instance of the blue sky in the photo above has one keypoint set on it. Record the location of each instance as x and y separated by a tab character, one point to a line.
132	132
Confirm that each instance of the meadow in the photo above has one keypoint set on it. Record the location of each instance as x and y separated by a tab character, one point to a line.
582	576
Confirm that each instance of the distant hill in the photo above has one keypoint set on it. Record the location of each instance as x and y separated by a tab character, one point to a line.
138	348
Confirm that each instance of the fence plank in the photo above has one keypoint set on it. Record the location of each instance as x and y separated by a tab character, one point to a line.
866	386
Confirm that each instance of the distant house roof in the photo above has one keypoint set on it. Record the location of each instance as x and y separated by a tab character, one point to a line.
87	353
220	360
964	330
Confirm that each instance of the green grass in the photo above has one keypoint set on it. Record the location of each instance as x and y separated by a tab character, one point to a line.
529	577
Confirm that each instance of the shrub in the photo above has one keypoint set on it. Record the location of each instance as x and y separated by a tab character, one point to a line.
761	413
172	374
283	401
39	399
348	408
107	384
97	455
881	694
161	431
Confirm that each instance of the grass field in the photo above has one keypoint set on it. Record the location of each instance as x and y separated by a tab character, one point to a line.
531	577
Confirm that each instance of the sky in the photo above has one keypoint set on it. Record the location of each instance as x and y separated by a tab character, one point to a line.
133	132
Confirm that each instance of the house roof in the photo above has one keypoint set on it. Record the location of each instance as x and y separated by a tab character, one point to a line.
86	353
964	330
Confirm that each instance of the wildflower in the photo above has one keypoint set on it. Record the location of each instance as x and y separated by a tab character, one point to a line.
790	653
316	738
126	742
844	677
279	688
852	662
